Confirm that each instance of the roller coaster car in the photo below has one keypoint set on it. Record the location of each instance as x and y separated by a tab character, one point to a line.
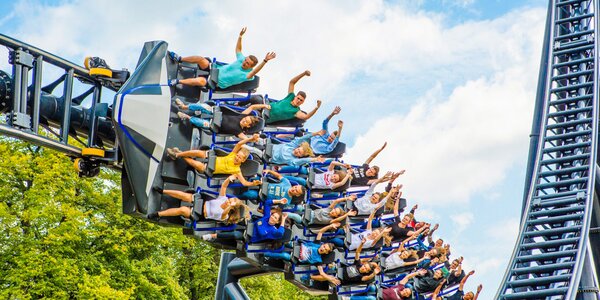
299	275
295	122
98	68
267	180
221	111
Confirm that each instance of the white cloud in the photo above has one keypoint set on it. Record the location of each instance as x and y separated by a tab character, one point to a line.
455	145
461	221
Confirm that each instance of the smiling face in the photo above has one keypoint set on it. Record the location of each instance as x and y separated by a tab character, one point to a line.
365	268
404	255
469	296
438	274
248	63
336	212
275	218
298	100
246	122
295	191
406	292
375	198
371	172
299	152
335	178
240	157
325	249
331	137
405	220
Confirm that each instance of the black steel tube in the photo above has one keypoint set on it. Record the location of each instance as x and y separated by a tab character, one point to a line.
67	97
36	94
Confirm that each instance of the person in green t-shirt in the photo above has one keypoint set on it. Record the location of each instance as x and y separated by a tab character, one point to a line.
289	107
242	69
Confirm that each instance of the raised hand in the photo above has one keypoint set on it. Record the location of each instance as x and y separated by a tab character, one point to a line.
472	272
340	123
479	287
352	197
255	137
307	73
384	144
336	110
319	102
415	207
320	132
270	55
243	31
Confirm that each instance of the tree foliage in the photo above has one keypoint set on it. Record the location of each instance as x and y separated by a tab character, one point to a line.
64	237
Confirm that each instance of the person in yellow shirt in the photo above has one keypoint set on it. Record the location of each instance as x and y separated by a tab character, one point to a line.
229	165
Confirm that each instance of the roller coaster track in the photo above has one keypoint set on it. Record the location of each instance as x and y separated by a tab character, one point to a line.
554	256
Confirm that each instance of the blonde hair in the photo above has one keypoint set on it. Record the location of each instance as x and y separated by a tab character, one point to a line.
235	215
245	152
307	149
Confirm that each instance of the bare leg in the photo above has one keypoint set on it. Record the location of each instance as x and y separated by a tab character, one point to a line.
318	277
174	212
183	196
193	153
198	81
199	166
202	62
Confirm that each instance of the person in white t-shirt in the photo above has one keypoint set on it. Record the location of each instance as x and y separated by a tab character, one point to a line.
332	178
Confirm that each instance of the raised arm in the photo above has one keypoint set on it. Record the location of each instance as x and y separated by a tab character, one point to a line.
329	278
326	228
397	205
334	164
305	116
438	289
238	45
370	220
252	107
275	174
335	111
339	200
238	146
373	273
343	181
408	277
340	126
295	80
370	159
223	190
461	286
479	287
268	57
245	182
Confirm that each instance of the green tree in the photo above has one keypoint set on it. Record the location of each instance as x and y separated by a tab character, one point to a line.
64	237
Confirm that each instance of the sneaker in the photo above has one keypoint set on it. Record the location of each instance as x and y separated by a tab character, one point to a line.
182	116
174	56
157	189
172	153
153	216
179	103
208	237
173	82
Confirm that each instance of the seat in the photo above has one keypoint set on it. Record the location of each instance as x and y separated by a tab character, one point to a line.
221	111
246	86
337	152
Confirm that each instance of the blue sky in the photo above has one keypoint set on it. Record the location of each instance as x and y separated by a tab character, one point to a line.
450	84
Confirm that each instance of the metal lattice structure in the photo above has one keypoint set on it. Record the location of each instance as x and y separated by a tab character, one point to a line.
554	254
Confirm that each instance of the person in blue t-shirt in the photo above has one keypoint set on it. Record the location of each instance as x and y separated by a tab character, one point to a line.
242	69
277	190
323	144
270	226
310	252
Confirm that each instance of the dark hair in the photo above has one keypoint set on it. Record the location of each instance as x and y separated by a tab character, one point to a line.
253	121
376	170
302	93
331	246
299	198
253	59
